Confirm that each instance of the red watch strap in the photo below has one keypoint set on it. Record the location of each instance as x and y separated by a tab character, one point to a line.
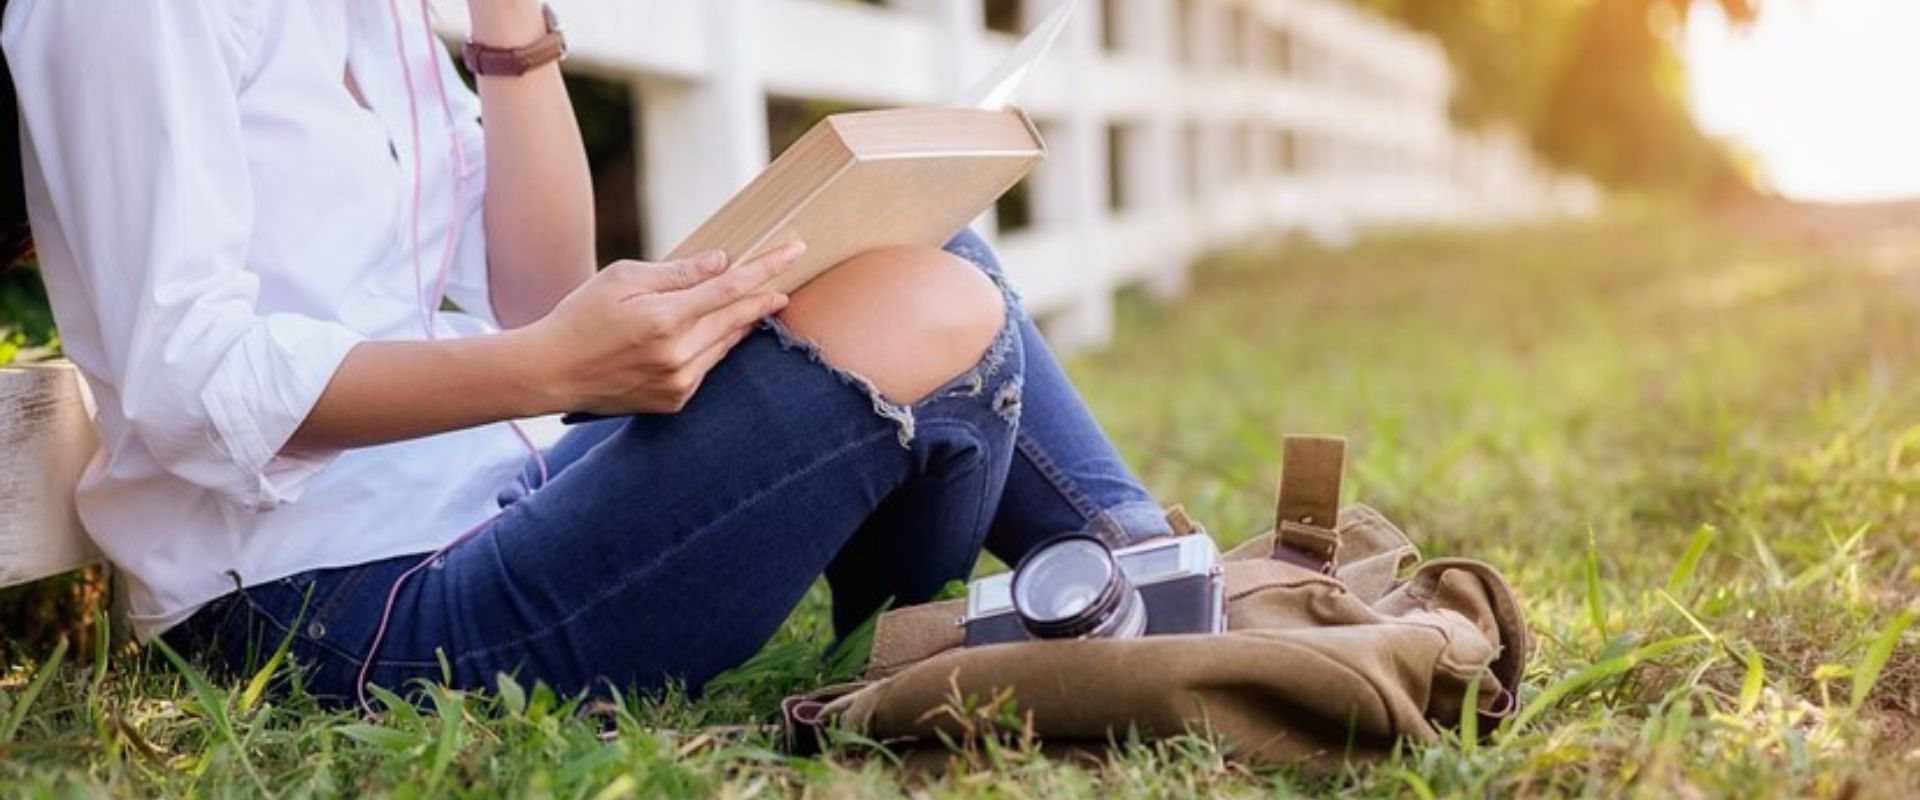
497	61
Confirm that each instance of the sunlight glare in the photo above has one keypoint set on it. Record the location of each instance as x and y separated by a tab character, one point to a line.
1825	94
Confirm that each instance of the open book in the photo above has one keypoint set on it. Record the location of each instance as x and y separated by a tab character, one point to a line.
872	179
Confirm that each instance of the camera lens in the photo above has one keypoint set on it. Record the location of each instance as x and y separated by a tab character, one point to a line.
1072	588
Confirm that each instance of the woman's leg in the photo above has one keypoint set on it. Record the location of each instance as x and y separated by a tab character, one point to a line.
671	547
1066	475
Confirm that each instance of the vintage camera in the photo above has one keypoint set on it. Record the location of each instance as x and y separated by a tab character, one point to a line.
1076	587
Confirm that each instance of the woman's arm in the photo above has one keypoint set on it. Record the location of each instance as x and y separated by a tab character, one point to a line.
636	338
539	201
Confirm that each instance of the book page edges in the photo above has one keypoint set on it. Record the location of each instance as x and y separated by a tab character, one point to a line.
934	130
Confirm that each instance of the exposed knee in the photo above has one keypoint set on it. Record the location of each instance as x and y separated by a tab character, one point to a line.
908	319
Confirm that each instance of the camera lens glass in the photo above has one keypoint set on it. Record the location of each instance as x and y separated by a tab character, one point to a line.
1073	588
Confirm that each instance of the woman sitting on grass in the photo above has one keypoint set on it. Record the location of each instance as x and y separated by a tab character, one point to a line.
248	215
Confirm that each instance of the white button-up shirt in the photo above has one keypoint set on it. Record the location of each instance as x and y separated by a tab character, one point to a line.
219	220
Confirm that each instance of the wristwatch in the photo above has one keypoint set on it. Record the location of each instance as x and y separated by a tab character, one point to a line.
509	62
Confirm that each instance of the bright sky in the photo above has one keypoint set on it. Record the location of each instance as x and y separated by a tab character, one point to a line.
1826	93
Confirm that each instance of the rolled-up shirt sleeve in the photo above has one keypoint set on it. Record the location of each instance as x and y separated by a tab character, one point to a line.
131	112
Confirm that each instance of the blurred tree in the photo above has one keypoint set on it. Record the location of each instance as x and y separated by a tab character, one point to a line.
25	320
1596	84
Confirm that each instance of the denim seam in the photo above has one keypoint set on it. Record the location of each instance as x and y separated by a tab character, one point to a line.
1056	477
630	576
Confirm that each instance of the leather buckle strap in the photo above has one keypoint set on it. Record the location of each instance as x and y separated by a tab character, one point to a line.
1309	511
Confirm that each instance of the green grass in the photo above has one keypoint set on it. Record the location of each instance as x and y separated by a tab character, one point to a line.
1695	452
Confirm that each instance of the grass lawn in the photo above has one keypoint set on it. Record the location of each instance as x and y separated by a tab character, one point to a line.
1695	452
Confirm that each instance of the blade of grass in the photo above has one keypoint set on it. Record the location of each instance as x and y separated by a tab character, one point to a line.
1755	681
1470	716
390	739
24	703
451	710
216	709
1690	561
623	786
1415	784
1592	674
97	702
102	648
395	710
257	687
848	657
1691	619
1596	609
512	698
1878	654
1776	577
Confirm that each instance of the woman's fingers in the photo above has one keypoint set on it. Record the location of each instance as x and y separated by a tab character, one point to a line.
742	281
642	277
738	318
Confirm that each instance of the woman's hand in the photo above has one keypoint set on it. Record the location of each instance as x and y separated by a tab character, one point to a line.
641	337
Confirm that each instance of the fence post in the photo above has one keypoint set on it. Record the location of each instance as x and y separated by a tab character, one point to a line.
1155	153
1074	186
703	140
958	27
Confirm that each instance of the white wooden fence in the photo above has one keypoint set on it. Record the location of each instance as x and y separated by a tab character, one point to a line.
1177	126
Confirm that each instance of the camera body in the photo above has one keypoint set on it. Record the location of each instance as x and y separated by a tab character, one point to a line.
1179	581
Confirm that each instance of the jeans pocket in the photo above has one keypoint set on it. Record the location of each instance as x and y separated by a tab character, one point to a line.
307	606
335	595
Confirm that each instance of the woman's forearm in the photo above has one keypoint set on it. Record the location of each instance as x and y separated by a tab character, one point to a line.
539	201
637	338
393	391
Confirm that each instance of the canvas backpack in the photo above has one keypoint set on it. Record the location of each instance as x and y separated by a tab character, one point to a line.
1340	642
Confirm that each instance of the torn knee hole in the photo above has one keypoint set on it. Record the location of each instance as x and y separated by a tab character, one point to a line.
908	320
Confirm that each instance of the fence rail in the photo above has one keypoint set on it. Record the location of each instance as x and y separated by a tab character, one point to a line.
1177	126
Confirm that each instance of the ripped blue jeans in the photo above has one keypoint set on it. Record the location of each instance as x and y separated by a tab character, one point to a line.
667	549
